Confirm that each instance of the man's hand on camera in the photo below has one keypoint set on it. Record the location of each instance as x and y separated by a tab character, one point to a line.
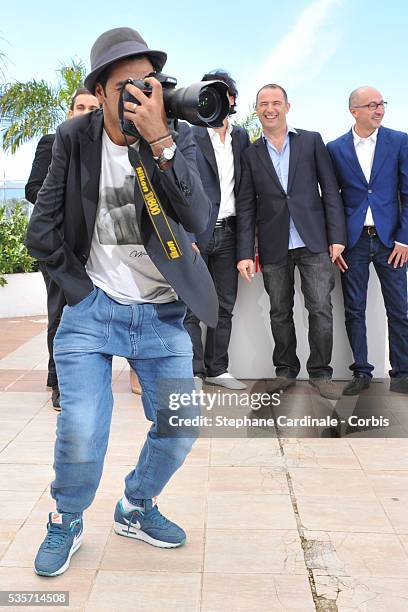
148	116
246	268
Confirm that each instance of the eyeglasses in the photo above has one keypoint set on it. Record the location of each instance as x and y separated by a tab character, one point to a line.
373	105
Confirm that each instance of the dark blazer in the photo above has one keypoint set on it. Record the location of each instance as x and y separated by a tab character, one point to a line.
387	191
262	202
42	160
207	167
61	227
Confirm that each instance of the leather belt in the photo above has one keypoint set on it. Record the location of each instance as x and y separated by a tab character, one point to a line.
370	229
226	221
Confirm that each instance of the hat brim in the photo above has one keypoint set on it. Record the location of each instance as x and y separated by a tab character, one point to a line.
158	59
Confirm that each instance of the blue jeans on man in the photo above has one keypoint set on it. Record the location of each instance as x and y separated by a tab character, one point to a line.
369	249
153	339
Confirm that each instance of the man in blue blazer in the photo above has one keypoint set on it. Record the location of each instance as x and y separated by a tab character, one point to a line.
371	163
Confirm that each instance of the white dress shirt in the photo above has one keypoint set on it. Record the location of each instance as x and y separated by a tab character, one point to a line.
225	164
365	150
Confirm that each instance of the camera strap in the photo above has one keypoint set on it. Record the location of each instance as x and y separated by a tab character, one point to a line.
154	207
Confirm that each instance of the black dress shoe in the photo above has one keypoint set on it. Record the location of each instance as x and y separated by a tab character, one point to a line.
55	398
399	385
356	385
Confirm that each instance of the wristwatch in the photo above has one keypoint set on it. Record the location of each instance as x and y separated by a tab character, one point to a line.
166	155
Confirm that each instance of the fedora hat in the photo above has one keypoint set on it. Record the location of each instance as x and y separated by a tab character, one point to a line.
115	45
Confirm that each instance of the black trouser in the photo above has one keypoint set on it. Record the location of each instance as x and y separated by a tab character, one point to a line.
317	282
55	304
220	257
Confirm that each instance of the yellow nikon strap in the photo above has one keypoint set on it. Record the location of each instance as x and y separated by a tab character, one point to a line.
154	208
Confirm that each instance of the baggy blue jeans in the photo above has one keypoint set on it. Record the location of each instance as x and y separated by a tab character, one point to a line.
153	339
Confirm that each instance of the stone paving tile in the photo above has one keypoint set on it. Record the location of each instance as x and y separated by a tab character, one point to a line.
362	594
123	553
396	511
15	332
356	554
339	514
268	551
256	593
249	480
264	511
145	592
24	477
307	452
77	581
388	483
15	507
351	483
245	452
381	454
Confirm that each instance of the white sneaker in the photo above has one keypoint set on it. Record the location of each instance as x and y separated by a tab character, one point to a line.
225	380
198	383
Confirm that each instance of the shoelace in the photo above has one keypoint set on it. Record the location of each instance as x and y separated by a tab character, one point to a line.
56	536
154	516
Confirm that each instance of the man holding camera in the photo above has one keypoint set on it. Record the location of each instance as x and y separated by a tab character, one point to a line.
219	164
118	249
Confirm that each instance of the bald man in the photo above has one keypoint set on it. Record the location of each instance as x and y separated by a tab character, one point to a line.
371	163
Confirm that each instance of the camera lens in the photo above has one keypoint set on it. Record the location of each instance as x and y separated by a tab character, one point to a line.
208	104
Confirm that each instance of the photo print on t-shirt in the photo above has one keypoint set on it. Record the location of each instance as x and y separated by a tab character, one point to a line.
116	223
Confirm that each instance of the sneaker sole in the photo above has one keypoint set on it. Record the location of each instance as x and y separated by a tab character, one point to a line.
138	534
238	386
75	545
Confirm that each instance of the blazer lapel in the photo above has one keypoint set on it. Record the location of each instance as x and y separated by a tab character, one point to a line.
295	147
90	143
350	155
204	142
236	152
381	151
267	162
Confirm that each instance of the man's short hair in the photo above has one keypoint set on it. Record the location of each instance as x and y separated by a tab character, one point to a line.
81	91
225	77
272	86
353	97
103	77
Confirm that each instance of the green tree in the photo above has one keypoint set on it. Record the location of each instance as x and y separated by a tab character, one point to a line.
251	124
35	108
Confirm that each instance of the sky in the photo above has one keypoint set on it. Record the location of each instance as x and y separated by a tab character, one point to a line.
319	50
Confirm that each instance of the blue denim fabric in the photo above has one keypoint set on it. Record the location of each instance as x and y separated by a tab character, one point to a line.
153	339
369	249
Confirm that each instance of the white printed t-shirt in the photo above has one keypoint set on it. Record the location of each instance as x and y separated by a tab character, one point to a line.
118	263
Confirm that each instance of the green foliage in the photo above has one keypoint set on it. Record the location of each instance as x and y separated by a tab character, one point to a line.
14	256
35	108
251	124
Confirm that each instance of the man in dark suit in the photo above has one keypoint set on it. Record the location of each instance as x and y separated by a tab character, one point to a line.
289	192
124	279
219	164
82	102
371	163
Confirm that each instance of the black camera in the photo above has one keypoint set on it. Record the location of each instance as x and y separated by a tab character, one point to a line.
205	103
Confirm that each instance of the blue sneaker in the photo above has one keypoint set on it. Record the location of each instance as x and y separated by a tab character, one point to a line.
64	537
147	524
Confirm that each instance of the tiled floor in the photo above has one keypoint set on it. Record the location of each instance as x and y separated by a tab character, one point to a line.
274	524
